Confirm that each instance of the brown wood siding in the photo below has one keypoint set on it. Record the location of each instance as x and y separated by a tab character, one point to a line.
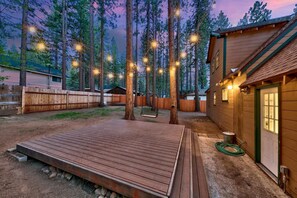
241	45
289	132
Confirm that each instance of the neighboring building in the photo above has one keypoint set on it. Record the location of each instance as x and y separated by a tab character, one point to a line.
191	96
253	92
119	90
37	75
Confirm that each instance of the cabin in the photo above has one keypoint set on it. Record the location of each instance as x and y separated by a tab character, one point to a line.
36	76
191	96
253	93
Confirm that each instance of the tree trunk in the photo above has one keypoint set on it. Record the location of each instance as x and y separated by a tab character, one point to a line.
147	77
91	74
197	103
187	72
178	58
56	55
80	72
64	50
101	85
154	65
24	43
172	68
129	110
136	53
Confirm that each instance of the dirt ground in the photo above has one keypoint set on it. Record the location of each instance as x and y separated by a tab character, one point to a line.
227	176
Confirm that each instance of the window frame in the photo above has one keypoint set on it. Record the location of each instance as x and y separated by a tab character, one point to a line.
217	60
214	98
227	94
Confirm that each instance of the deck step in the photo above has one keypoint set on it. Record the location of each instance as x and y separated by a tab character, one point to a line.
200	186
183	186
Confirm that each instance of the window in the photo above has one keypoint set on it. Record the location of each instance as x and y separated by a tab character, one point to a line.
213	66
271	112
56	79
214	98
225	95
217	62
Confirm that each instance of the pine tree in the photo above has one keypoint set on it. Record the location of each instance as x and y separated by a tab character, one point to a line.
244	20
295	9
221	21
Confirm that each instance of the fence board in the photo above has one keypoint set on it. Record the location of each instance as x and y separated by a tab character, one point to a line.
10	100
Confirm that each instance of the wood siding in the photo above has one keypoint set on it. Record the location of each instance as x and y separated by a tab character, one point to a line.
288	132
241	45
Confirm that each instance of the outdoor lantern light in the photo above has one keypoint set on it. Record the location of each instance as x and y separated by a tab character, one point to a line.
75	63
78	47
32	29
194	38
96	71
110	75
183	54
148	69
121	76
109	58
177	63
177	12
161	71
40	46
145	59
154	44
230	87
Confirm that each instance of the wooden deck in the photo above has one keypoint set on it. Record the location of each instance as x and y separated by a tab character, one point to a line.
136	159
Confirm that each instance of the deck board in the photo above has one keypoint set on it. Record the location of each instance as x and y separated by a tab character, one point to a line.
137	159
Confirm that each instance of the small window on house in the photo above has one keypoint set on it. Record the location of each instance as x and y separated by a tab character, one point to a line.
56	79
213	66
225	95
271	112
214	98
217	60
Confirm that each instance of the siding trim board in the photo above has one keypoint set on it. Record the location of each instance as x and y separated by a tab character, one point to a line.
224	57
283	34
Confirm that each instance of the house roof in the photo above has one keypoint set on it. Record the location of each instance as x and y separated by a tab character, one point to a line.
254	25
202	92
10	62
284	63
224	32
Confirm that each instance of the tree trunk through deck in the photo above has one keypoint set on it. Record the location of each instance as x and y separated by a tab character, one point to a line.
154	66
136	53
172	69
147	76
24	43
178	58
64	49
197	103
129	110
101	85
91	74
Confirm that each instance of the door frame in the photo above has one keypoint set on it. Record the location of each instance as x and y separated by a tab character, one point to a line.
258	124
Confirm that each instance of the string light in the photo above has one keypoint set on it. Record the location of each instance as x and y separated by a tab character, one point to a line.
183	54
32	29
194	38
145	59
110	75
154	44
148	69
40	46
177	12
78	47
121	76
109	58
96	71
75	63
161	71
131	74
177	63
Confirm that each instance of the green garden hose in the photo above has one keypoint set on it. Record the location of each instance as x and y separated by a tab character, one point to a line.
221	147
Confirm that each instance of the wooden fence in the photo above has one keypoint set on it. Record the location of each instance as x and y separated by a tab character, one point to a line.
10	100
16	99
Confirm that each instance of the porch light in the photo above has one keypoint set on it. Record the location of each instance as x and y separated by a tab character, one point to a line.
230	87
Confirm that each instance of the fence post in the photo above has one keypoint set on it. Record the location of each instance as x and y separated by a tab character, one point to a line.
23	102
67	99
88	100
